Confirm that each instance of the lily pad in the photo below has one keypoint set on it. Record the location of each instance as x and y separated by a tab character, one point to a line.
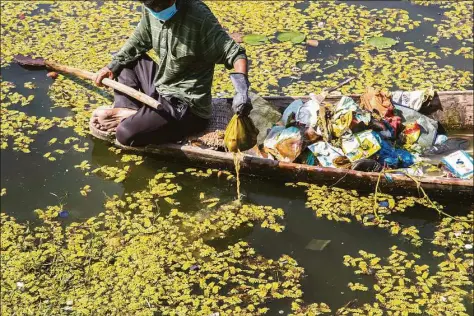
382	42
255	39
294	37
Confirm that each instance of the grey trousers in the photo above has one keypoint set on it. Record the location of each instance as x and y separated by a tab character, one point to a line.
150	126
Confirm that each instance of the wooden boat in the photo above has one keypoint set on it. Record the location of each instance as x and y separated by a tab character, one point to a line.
454	109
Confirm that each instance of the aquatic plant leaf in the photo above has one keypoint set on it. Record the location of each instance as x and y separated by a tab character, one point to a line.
255	39
294	37
382	42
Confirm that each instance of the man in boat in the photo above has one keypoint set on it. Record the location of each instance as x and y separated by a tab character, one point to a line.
189	41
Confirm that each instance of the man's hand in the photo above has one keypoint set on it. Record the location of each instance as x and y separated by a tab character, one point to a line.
103	73
241	103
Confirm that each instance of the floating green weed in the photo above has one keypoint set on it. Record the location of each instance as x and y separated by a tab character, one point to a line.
344	205
114	173
131	260
404	287
85	190
16	126
137	159
457	23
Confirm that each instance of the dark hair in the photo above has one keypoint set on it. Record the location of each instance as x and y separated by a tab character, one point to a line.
147	3
153	3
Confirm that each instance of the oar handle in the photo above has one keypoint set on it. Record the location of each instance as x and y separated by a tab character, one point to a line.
106	81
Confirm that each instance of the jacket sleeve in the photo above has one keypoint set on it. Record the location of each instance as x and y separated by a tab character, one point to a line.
218	46
136	45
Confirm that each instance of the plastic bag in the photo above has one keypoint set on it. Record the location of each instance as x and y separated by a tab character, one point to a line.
440	139
460	164
311	135
429	127
342	124
410	134
345	104
376	101
395	122
240	134
264	115
348	117
382	127
411	99
289	115
285	144
393	157
361	145
325	153
306	158
307	114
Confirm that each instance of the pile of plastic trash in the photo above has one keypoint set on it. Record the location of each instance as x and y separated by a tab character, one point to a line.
383	131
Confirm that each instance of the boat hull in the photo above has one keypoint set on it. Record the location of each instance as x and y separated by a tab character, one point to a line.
362	181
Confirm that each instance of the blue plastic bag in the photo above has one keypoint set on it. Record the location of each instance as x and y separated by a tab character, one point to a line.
393	157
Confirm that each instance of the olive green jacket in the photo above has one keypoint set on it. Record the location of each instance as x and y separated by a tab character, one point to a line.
188	45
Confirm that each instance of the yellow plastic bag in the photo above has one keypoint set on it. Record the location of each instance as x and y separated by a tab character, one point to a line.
342	124
240	134
410	134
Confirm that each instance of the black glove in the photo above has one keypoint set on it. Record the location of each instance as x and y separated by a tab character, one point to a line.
241	103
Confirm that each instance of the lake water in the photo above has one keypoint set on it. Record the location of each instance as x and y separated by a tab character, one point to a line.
34	182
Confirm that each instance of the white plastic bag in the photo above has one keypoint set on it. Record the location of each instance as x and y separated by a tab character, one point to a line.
290	110
460	164
409	99
307	114
325	153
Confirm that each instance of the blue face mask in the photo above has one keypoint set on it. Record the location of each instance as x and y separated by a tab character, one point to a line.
165	14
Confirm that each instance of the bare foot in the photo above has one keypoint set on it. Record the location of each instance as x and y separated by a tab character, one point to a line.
108	119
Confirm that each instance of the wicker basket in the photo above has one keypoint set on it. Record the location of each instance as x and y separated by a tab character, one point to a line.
213	135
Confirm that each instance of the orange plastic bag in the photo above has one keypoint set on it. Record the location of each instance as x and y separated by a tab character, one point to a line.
376	101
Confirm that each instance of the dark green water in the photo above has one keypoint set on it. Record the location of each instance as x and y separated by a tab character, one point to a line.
34	182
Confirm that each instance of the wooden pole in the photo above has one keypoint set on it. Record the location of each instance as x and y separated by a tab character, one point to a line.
106	81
